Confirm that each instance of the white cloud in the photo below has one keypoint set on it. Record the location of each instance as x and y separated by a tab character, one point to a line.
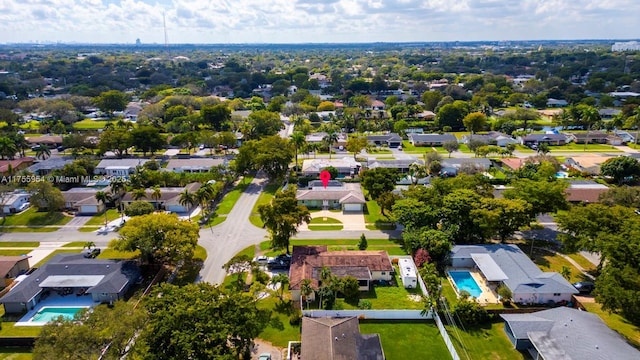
213	21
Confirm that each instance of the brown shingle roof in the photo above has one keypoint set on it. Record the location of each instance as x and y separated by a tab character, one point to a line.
8	262
307	260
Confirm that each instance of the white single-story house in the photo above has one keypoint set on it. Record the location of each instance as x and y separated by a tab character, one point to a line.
566	333
105	280
492	138
507	264
366	266
430	139
194	165
83	200
14	201
336	195
118	167
346	166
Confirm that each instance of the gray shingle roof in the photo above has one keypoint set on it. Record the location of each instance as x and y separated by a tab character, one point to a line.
420	138
117	274
524	275
338	338
566	333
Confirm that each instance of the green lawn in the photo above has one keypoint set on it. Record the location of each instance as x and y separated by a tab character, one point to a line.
89	124
232	197
399	337
374	219
324	221
264	198
115	254
98	219
14	252
22	244
32	217
8	329
15	354
581	147
487	342
325	227
617	323
75	244
249	251
279	332
548	261
200	253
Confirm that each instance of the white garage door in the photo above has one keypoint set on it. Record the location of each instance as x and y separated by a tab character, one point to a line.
352	207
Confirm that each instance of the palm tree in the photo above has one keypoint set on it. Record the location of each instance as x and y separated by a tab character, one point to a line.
306	289
117	191
204	195
156	194
88	245
138	194
417	171
103	198
8	148
298	139
42	152
634	121
187	199
330	139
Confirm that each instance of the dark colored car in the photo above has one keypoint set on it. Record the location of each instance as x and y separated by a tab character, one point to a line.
584	287
278	265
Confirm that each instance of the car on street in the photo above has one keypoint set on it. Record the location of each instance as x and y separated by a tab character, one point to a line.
91	253
584	287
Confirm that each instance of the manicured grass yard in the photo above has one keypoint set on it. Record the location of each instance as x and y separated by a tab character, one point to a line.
341	244
581	147
548	261
8	328
407	339
20	244
324	221
15	354
32	217
264	198
98	220
232	197
89	124
115	254
325	227
279	332
374	219
487	342
13	252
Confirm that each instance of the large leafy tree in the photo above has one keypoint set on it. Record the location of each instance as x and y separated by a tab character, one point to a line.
112	100
200	321
355	144
147	139
621	168
502	217
413	213
283	216
116	140
45	197
475	121
103	331
437	243
379	180
272	154
457	218
262	123
543	196
216	116
159	237
614	232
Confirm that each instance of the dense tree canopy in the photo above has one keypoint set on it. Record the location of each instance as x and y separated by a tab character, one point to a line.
283	216
159	237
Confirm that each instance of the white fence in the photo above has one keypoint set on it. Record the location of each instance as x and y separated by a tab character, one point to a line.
371	314
445	337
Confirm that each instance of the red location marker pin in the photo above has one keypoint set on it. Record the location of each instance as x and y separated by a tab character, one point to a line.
325	176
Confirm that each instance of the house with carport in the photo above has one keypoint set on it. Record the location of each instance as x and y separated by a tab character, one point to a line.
430	139
118	167
104	280
168	199
498	264
346	166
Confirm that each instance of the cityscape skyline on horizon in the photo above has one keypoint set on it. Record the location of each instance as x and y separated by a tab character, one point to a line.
307	21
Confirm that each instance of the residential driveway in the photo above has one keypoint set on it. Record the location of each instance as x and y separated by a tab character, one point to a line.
75	223
350	220
261	347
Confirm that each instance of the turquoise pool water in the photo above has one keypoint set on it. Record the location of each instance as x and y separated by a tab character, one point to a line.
464	281
49	313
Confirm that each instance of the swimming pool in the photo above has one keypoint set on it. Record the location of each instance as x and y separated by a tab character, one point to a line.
49	313
464	281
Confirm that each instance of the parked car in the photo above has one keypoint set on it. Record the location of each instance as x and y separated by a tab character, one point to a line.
24	207
261	260
91	253
278	264
265	356
584	287
283	257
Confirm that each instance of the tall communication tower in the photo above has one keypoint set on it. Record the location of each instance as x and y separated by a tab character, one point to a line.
164	24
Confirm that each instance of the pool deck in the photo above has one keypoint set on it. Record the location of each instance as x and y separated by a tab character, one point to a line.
56	300
488	295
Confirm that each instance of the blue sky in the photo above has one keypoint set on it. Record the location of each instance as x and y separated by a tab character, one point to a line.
303	21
